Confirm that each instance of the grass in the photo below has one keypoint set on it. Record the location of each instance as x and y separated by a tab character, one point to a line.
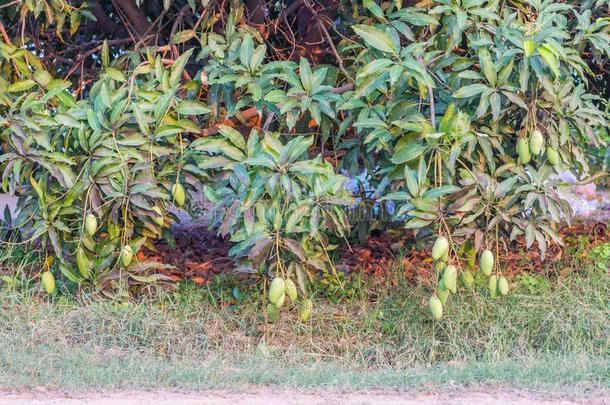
550	333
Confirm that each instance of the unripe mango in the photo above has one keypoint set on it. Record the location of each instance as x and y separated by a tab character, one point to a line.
305	310
90	224
277	289
487	262
178	194
450	278
536	142
503	285
467	280
493	286
442	292
48	282
523	150
273	312
440	248
126	255
280	300
471	257
528	47
82	262
436	307
291	290
552	156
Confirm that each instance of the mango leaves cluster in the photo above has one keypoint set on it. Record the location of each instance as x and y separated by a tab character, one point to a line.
431	102
444	94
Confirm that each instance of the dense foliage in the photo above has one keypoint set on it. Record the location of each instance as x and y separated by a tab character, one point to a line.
449	117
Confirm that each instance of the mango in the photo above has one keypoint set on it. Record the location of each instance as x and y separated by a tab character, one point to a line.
90	224
536	142
467	280
178	194
493	286
450	278
280	300
442	292
471	257
523	150
305	310
436	307
82	262
552	156
277	290
503	285
291	290
440	248
273	312
487	262
126	255
48	282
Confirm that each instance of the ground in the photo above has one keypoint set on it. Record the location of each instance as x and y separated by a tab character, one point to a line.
268	396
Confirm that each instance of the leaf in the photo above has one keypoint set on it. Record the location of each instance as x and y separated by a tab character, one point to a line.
178	67
183	36
376	38
487	66
407	150
470	90
21	85
550	58
192	107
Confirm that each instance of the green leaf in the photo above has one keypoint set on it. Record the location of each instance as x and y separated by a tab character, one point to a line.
470	90
192	107
407	150
376	38
550	58
21	85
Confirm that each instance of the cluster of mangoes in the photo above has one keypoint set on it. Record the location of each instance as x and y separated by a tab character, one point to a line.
278	291
534	146
125	257
447	276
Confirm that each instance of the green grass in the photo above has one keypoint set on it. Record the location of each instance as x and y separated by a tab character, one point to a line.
550	333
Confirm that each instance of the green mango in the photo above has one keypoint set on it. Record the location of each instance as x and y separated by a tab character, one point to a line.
48	282
503	285
291	290
442	292
126	255
436	307
450	278
273	312
178	194
487	262
536	142
493	286
440	248
277	290
90	224
467	280
82	262
523	150
552	156
280	301
471	257
305	310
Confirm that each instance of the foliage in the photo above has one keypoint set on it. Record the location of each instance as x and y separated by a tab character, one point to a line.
431	100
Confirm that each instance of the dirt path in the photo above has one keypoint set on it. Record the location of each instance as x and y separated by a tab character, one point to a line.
268	396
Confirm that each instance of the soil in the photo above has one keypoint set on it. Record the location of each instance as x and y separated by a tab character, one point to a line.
198	254
270	396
